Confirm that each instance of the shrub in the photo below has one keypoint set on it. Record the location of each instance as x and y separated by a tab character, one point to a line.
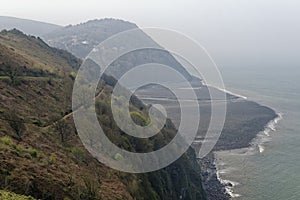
89	191
50	81
52	158
78	153
133	186
33	153
73	75
13	74
6	140
4	195
18	148
140	119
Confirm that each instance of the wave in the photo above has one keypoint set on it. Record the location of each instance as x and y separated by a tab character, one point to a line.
264	136
228	185
225	171
261	148
257	146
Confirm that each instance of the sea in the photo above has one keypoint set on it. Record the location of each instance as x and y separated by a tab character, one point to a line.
270	168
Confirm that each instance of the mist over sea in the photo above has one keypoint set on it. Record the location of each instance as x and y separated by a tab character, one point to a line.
270	170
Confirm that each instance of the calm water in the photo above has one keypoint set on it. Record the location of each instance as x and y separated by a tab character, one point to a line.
273	174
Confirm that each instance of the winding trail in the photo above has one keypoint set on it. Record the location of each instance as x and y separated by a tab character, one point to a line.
65	117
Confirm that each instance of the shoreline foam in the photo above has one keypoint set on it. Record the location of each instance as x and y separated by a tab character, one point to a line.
256	146
264	136
228	185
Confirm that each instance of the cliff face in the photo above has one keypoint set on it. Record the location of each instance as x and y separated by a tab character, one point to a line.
41	154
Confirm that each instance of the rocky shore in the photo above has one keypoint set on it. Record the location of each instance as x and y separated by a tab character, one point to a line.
214	189
244	120
234	137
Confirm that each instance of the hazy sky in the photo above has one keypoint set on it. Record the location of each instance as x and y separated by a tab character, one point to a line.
235	32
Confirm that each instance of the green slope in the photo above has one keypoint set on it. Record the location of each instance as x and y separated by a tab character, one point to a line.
41	154
4	195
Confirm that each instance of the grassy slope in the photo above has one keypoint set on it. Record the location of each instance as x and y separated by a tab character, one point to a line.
31	52
12	196
55	170
43	166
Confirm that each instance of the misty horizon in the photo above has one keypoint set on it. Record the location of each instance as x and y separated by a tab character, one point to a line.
235	33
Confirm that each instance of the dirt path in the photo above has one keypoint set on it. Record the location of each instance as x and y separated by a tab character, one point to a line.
65	117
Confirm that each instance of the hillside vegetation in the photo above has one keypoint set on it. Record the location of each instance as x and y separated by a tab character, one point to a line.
4	195
41	154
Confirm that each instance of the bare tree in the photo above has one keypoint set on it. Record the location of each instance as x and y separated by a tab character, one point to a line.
13	73
16	123
62	128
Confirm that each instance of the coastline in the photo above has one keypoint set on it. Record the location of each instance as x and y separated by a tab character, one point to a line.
218	188
255	147
245	120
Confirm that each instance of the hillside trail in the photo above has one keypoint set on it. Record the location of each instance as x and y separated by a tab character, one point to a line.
65	117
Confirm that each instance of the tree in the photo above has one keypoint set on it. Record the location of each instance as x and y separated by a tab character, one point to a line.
13	73
16	123
61	127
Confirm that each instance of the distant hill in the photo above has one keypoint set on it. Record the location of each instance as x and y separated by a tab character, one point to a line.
27	26
82	38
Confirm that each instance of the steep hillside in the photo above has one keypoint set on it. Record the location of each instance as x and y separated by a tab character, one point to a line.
41	154
82	38
27	26
31	52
